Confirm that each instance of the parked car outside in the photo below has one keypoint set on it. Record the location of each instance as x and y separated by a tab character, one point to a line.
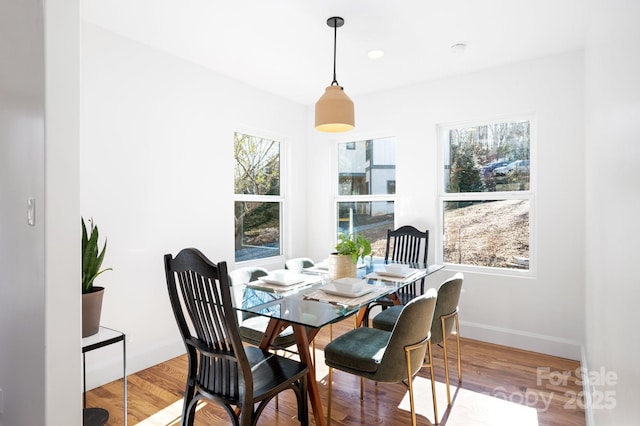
488	168
518	166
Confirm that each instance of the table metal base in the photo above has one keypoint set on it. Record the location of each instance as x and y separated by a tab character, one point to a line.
94	416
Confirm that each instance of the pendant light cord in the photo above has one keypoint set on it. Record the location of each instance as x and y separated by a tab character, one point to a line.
335	38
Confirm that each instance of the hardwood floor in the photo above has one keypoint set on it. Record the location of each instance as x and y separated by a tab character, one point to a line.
500	386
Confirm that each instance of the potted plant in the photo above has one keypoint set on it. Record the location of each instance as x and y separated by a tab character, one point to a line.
349	249
92	259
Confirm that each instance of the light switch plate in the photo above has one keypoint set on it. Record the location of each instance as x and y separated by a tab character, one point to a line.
31	212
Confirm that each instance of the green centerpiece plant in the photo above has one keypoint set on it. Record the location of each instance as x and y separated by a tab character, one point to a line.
349	249
354	245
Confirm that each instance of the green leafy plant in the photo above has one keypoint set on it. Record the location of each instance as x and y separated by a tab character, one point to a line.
354	245
91	257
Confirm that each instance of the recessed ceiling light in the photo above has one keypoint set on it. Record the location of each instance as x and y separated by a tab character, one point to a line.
458	48
375	54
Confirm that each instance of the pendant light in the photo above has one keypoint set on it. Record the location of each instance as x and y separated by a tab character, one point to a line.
334	109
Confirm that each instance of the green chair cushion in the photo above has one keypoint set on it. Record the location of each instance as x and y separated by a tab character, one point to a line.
360	349
386	319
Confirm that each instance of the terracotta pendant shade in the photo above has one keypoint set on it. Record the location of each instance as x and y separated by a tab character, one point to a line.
334	111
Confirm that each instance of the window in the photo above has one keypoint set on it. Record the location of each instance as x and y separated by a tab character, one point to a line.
258	200
366	190
486	196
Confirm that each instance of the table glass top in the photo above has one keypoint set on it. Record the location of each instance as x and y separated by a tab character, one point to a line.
307	304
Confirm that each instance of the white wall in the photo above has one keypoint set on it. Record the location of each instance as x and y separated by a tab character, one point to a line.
543	313
157	176
613	208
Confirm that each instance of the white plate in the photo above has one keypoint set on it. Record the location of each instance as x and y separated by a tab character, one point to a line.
395	274
330	289
349	280
289	281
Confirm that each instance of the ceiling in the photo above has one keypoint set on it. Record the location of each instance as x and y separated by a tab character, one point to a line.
285	46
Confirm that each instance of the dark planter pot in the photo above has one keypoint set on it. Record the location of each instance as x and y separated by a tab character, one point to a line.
91	310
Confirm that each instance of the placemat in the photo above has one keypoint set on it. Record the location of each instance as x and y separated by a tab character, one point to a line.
261	285
387	278
321	296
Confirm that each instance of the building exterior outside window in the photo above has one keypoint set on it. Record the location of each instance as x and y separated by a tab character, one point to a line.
366	187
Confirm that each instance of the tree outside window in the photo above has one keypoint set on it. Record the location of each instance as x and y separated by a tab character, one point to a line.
258	200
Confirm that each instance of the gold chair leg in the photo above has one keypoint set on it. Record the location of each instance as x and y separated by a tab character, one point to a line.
443	319
459	353
446	360
329	397
433	384
408	350
410	381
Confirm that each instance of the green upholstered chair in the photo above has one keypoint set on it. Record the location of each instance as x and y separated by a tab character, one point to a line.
388	356
445	317
298	264
253	327
242	379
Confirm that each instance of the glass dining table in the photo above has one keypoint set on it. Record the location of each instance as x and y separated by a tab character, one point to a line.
312	303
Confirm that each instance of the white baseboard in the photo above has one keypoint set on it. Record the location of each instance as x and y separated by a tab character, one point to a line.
549	345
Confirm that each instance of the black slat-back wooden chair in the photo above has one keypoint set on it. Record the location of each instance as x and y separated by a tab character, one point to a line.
405	244
221	369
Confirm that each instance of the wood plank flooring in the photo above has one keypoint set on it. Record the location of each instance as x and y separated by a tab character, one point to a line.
500	386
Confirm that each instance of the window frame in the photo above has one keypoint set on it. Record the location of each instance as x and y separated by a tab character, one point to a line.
442	130
281	199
